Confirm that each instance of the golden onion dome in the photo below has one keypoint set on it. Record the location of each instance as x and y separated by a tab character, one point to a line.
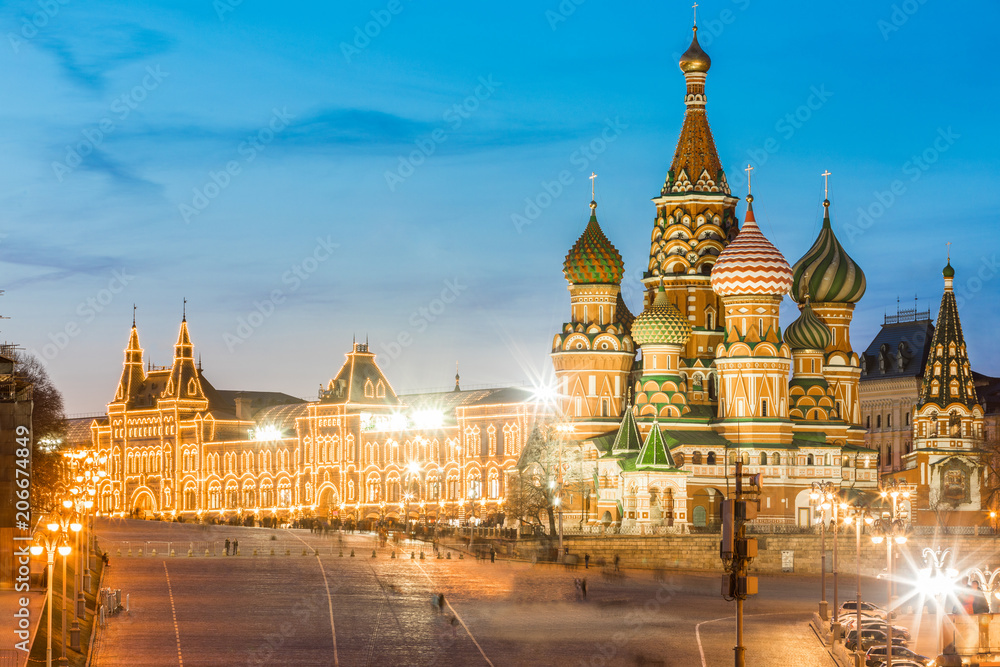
695	59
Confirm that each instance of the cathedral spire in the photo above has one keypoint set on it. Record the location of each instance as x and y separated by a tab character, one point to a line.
948	378
184	381
696	166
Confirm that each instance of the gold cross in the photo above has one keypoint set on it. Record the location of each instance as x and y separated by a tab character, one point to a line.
593	177
695	8
748	170
949	251
826	183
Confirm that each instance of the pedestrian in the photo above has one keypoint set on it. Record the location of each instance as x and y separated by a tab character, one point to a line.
441	601
617	560
236	547
583	587
105	559
586	561
578	586
227	546
493	555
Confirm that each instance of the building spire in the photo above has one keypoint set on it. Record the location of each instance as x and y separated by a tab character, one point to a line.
133	316
457	386
184	315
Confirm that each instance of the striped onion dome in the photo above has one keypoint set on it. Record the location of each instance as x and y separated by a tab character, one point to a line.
661	323
807	332
593	260
826	273
751	264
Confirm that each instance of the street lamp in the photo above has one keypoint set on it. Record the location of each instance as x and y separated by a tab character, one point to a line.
822	496
890	530
52	542
858	516
937	580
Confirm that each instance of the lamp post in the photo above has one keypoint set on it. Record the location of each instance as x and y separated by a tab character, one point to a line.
890	530
939	580
67	522
858	516
54	541
562	429
989	583
822	496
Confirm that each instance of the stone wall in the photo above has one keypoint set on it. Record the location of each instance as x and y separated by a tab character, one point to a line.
701	552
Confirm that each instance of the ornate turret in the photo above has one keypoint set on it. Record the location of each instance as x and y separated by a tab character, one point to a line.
826	272
593	353
807	332
593	260
132	373
184	382
661	324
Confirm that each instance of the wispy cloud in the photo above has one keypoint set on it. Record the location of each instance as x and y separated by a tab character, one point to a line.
55	262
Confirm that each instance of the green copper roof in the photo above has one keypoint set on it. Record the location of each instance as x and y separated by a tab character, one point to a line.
827	274
948	271
661	323
654	453
627	439
593	260
807	332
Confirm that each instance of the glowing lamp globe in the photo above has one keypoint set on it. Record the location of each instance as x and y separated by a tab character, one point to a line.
65	550
53	526
35	550
877	539
75	527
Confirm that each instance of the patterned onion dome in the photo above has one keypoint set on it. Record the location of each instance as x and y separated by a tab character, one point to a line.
593	260
827	273
751	264
808	332
695	59
661	323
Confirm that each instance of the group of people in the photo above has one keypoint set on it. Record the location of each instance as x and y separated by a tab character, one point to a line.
235	545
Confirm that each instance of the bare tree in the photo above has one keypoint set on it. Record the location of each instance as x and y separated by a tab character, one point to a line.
48	428
550	466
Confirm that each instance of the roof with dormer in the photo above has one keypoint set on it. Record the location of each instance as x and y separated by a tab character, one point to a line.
360	380
826	273
751	265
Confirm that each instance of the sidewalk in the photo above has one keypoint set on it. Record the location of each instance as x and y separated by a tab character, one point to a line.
9	605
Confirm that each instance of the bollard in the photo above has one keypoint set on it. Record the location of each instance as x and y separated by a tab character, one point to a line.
255	551
207	552
288	552
119	553
461	556
373	553
130	552
190	553
341	553
393	555
153	552
413	555
421	555
139	552
440	556
449	555
304	553
315	553
352	553
173	552
272	551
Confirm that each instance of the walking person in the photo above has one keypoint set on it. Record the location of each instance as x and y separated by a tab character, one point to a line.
236	547
227	546
586	561
493	555
617	561
583	588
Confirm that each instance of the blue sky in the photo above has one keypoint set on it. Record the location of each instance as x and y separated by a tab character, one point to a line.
257	159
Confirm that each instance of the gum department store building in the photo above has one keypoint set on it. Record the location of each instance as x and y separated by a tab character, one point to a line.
661	404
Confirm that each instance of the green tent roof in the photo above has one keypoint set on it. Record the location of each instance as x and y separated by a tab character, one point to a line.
654	453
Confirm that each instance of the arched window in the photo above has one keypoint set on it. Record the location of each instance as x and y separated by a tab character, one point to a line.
776	459
763	458
878	421
888	420
711	458
679	459
494	483
696	459
809	460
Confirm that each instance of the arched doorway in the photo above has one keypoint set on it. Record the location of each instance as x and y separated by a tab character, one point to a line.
329	502
143	504
706	508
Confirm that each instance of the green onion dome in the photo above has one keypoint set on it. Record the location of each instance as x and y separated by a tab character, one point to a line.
661	323
827	273
593	260
807	332
948	271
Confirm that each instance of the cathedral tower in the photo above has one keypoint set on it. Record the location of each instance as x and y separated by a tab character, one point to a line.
661	333
832	281
751	276
593	354
695	219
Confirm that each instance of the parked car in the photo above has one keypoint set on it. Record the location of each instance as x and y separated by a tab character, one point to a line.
906	663
870	637
879	624
877	656
867	609
849	620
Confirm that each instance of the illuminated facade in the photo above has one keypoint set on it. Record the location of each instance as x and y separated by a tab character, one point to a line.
710	375
178	446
